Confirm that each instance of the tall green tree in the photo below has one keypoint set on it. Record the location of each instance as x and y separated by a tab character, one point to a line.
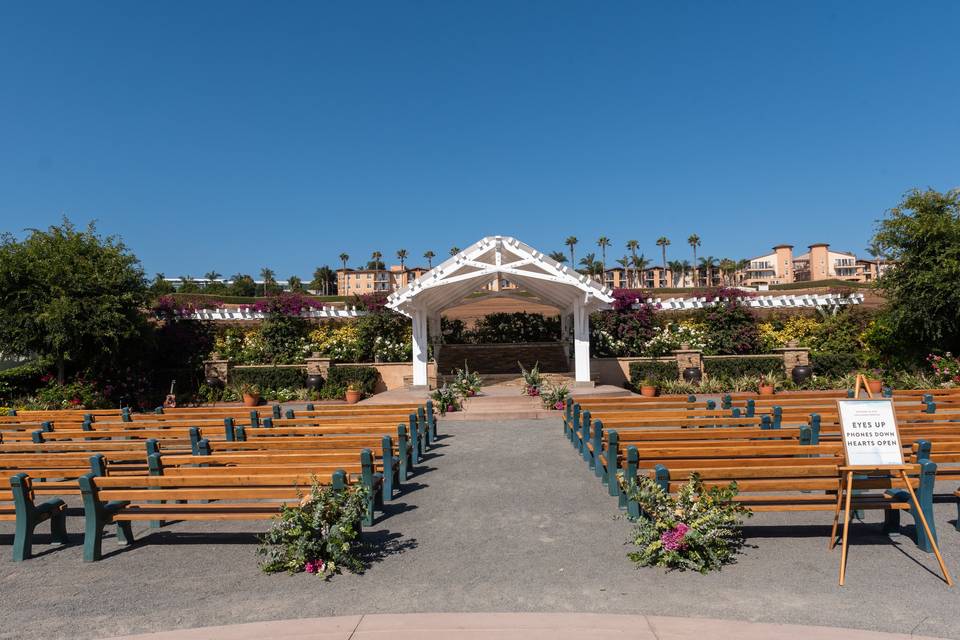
921	237
571	242
429	255
632	246
323	280
558	256
603	242
294	283
242	284
663	242
454	250
402	257
70	296
160	286
694	242
343	260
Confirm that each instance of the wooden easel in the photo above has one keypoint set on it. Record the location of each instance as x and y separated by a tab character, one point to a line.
861	383
844	495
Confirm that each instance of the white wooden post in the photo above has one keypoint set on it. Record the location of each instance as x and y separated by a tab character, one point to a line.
420	348
581	343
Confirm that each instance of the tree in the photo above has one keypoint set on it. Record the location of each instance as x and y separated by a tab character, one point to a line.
242	285
687	267
323	280
454	250
624	262
727	269
921	236
212	275
72	297
294	283
343	260
402	257
160	286
571	242
663	242
639	264
558	256
706	265
188	285
603	243
694	242
677	272
591	266
429	255
632	246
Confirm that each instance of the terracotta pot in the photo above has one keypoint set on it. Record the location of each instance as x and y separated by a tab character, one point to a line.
353	397
876	386
766	390
251	399
649	392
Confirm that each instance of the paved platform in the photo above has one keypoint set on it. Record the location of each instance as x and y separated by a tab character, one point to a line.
516	626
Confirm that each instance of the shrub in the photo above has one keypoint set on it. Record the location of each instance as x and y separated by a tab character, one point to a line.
731	329
659	371
699	529
365	378
516	327
21	380
78	394
621	333
834	365
446	399
321	535
270	377
728	368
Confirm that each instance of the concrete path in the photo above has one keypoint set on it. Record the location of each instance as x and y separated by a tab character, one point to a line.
515	626
504	517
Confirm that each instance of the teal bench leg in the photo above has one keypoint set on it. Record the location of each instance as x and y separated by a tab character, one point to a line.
97	515
29	515
613	446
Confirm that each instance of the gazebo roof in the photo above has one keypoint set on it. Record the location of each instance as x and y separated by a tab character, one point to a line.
448	283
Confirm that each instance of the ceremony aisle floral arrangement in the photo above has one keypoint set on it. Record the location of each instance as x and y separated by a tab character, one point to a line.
699	529
532	380
447	399
555	397
321	535
466	382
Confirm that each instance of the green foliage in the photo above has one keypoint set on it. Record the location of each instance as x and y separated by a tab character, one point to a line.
922	236
447	398
657	371
321	535
21	380
269	377
77	394
503	328
365	378
385	336
284	338
699	529
728	368
72	296
466	382
623	332
532	379
555	397
731	329
834	365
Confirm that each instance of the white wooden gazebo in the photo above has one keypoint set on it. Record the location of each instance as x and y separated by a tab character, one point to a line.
488	260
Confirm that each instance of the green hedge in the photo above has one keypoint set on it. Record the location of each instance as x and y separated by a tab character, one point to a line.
834	365
271	377
658	371
726	368
365	377
21	380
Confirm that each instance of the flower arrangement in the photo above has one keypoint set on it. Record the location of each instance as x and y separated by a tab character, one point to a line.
532	380
466	382
321	535
946	368
699	529
447	399
555	397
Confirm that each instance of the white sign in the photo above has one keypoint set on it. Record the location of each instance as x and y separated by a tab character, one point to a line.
870	435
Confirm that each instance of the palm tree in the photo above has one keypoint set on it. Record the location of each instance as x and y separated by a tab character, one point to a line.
558	256
603	242
663	242
402	257
706	264
633	245
376	260
677	272
429	255
686	268
742	266
694	242
728	268
587	263
454	250
294	283
639	264
571	242
212	275
343	258
625	263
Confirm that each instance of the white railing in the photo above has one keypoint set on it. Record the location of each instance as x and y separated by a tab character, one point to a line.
828	301
250	314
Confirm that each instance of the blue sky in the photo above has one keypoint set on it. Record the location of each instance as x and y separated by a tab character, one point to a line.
232	136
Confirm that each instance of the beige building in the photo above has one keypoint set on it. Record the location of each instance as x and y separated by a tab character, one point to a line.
363	281
820	262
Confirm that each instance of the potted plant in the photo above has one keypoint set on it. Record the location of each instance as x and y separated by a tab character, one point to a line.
648	387
353	393
874	378
532	380
447	399
250	392
768	384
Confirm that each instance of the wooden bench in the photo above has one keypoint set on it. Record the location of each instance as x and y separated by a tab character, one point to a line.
238	496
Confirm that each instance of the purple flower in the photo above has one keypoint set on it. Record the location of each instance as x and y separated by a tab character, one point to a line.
673	539
315	566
